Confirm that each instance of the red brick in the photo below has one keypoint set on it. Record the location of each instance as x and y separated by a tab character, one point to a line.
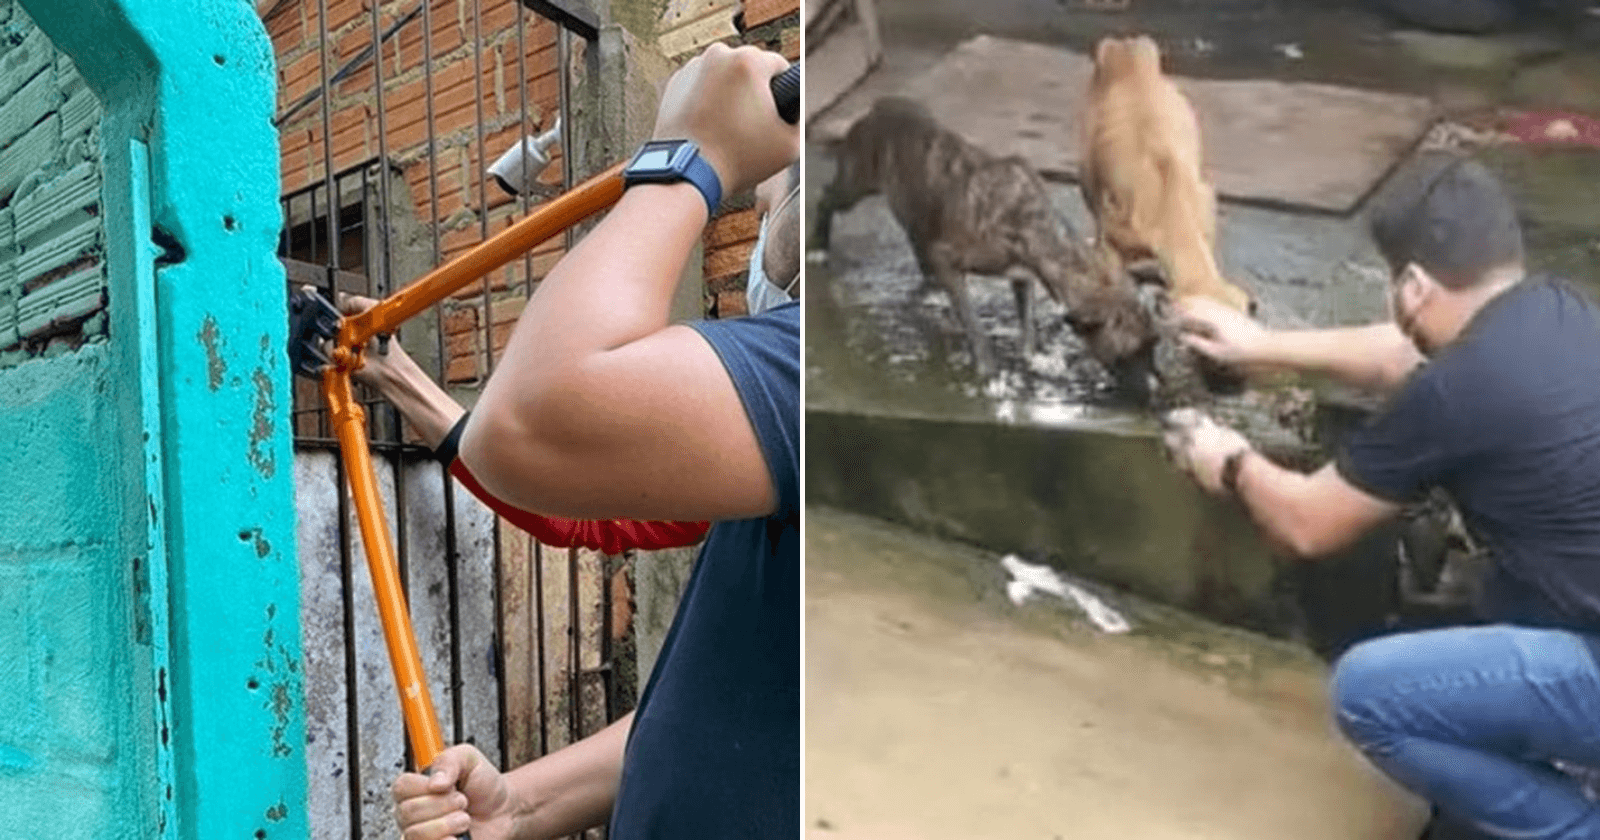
342	12
446	35
354	136
300	76
460	320
731	303
286	28
759	12
461	369
462	344
498	16
732	228
724	263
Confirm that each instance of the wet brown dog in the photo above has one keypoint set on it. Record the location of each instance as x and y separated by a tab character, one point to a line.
1141	175
965	211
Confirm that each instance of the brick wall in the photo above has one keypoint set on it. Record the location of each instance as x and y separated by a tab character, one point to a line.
52	277
475	84
464	208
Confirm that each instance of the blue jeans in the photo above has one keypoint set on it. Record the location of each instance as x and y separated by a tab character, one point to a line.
1471	719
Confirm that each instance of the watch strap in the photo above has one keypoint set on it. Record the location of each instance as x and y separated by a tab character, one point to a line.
704	177
696	170
451	445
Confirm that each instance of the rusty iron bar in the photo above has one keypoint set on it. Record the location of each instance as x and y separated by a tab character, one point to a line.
524	128
483	195
450	526
384	279
607	678
327	143
574	651
539	631
564	88
569	14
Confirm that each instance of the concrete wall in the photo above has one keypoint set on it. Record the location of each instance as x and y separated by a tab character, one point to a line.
355	733
52	277
78	745
1101	504
152	680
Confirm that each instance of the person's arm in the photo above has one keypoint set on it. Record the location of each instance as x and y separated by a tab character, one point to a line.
598	408
1375	357
607	536
560	794
433	413
1310	516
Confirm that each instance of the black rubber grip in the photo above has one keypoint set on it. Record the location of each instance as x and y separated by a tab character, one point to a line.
786	93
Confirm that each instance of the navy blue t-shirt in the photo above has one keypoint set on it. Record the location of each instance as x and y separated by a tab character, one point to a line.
715	747
1507	421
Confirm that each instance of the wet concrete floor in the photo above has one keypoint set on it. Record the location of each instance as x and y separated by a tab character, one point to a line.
935	709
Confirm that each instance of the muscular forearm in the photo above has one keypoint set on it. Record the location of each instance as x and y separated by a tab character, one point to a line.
571	789
1377	357
425	405
1279	501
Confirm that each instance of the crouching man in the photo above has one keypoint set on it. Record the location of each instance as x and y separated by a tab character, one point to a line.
1493	386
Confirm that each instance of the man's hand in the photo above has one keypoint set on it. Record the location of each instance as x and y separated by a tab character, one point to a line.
462	792
1200	446
378	371
1221	332
400	380
722	100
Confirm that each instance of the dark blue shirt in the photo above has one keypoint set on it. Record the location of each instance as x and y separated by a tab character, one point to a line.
715	747
1507	421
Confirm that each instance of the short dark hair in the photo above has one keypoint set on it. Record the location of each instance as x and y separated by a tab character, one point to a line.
1448	214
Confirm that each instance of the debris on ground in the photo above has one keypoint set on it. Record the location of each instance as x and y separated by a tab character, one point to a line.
1028	578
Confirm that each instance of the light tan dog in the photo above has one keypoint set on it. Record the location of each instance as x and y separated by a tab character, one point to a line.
1141	175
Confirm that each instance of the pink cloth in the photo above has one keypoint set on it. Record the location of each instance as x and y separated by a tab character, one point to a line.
1546	128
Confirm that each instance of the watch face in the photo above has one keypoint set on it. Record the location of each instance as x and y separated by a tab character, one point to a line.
661	159
652	159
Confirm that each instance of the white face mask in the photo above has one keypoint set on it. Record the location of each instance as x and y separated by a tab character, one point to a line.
760	293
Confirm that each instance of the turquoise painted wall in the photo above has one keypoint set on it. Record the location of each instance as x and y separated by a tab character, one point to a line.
148	584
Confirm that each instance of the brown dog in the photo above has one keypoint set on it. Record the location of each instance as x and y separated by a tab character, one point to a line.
965	211
1141	175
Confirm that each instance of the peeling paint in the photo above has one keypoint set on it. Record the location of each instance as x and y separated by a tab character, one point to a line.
277	812
281	706
216	366
262	456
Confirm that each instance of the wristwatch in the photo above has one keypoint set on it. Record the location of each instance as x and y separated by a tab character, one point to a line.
1230	471
671	161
